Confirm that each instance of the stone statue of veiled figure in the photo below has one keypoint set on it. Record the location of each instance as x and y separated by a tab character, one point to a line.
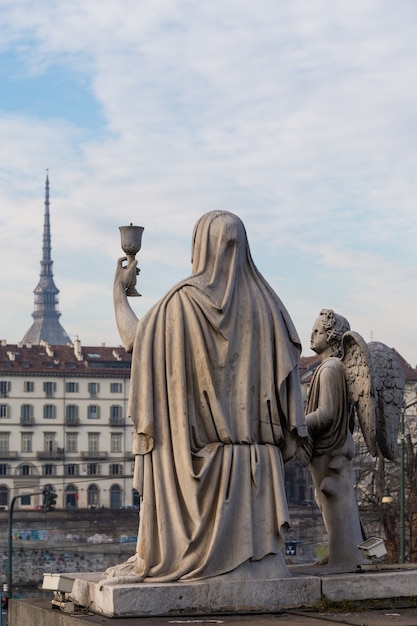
216	403
353	379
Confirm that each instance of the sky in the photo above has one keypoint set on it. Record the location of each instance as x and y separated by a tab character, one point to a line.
300	117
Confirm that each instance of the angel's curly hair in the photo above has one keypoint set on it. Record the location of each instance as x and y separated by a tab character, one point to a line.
335	326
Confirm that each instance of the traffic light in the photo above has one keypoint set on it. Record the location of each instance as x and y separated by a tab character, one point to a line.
4	603
49	500
52	501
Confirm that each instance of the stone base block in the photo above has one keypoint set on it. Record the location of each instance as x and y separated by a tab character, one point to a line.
193	598
370	585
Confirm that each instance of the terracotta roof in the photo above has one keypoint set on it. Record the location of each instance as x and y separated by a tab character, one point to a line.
58	360
410	373
307	366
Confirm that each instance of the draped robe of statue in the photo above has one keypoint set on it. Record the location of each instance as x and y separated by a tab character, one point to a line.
216	403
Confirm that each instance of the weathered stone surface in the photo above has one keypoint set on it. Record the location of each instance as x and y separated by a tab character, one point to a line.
209	596
346	380
375	585
216	404
400	583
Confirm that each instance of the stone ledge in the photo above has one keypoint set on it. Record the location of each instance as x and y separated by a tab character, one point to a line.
247	597
370	585
301	590
193	598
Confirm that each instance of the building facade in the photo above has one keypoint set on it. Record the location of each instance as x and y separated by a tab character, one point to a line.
63	425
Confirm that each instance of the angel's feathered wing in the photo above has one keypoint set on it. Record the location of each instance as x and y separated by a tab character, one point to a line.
389	383
357	364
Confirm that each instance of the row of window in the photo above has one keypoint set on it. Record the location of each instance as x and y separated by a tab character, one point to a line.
72	469
50	444
27	412
71	496
50	387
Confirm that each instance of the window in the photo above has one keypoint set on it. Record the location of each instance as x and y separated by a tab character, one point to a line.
49	470
28	385
71	387
72	470
115	469
71	414
93	497
25	500
71	497
116	443
93	469
49	388
4	388
72	442
26	443
116	414
4	496
49	411
93	442
93	412
4	442
115	497
4	410
4	469
26	413
49	444
93	389
115	387
25	470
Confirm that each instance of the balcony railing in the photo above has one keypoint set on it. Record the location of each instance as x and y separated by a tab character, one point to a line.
50	454
8	454
93	455
115	420
27	421
72	421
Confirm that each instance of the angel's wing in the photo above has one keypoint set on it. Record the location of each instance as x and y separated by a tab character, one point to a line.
388	380
356	361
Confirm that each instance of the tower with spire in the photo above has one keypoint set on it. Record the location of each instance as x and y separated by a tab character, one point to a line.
46	326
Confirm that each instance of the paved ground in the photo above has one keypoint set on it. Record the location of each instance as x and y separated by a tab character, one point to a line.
370	618
381	617
401	617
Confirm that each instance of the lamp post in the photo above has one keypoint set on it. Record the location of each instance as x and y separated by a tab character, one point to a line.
402	480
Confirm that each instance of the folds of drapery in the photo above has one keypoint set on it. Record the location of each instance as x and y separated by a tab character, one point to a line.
216	405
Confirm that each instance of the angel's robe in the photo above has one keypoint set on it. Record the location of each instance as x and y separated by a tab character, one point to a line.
328	411
216	403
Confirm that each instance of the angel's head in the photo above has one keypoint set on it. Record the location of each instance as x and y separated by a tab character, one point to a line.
328	331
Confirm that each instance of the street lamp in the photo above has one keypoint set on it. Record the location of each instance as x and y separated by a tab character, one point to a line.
387	497
402	481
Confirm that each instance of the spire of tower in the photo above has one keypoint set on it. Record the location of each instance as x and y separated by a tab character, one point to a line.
46	326
46	263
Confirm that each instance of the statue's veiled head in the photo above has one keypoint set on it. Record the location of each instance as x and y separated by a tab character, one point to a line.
219	237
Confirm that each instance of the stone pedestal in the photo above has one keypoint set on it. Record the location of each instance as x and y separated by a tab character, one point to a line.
248	598
193	598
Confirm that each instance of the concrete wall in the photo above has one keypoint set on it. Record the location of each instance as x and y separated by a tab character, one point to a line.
66	542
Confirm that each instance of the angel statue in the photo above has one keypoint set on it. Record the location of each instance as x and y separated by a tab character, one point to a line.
353	379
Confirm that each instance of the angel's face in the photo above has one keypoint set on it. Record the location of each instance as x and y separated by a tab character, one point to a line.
318	341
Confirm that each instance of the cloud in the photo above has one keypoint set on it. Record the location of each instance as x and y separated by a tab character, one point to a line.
300	117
